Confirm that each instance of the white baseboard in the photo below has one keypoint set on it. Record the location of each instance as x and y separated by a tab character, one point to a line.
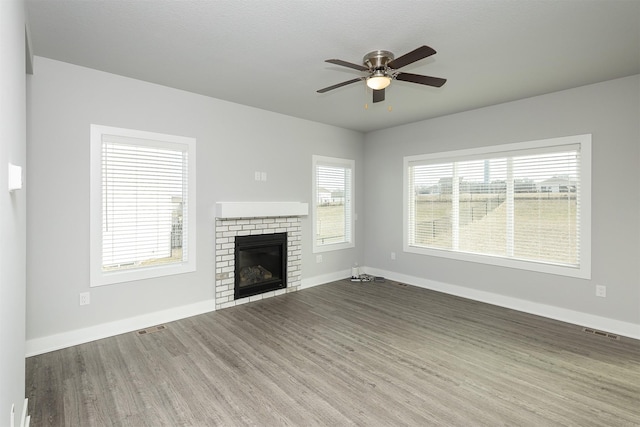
310	282
49	343
606	324
54	342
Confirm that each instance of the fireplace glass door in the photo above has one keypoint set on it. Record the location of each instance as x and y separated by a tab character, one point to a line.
260	264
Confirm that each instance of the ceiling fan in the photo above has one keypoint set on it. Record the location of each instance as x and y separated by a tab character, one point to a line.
381	67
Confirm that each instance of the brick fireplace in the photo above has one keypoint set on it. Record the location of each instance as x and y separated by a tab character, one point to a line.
249	219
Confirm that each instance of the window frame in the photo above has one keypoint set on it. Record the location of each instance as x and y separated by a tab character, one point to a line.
98	277
583	270
350	226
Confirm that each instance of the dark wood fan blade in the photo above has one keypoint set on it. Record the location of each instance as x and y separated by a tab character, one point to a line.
347	64
348	82
423	80
413	56
378	95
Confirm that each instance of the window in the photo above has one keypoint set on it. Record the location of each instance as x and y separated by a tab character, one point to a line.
142	205
333	216
524	205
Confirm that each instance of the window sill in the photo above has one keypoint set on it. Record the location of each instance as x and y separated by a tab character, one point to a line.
582	272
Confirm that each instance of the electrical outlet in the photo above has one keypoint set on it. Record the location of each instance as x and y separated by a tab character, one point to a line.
85	298
263	176
393	255
318	258
601	291
257	175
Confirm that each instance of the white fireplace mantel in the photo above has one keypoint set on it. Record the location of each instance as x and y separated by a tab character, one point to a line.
260	209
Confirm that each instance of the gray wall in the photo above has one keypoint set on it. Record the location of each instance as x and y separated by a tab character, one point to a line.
12	207
233	142
609	111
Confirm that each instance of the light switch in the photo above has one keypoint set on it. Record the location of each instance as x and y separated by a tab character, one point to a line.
15	177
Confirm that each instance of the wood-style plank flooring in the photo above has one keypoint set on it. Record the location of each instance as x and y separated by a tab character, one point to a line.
375	354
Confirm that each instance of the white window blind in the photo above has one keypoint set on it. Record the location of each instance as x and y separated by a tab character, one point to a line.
142	201
523	204
333	204
143	192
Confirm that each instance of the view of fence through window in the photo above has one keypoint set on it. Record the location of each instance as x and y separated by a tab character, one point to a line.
524	207
333	210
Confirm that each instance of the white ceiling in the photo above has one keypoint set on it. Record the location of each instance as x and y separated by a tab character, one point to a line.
270	54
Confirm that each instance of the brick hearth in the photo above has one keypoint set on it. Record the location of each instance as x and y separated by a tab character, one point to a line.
226	231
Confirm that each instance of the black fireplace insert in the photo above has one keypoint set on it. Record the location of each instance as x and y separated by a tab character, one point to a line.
260	264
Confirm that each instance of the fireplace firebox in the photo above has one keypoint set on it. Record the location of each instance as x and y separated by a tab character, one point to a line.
260	264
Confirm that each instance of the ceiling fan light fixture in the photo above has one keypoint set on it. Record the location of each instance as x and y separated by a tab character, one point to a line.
378	81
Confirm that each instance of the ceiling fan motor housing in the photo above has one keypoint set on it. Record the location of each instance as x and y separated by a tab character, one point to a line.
378	59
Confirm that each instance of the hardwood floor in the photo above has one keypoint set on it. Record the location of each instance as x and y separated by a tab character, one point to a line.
344	354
